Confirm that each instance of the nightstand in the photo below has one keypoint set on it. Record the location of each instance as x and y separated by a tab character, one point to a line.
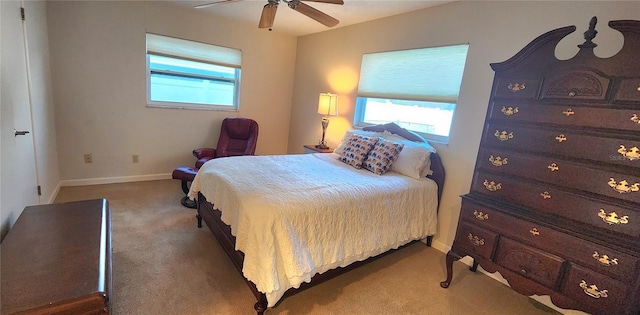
310	148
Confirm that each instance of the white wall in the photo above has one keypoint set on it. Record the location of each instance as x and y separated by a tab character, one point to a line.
495	31
98	62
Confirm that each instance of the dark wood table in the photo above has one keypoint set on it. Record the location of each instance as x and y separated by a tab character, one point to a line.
56	259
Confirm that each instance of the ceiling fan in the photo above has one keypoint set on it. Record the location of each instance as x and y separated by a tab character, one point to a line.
269	11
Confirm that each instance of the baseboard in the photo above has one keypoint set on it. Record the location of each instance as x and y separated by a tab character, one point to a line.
440	246
113	180
53	196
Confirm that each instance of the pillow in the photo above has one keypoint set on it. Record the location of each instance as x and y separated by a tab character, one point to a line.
396	138
382	156
415	158
413	161
349	135
356	150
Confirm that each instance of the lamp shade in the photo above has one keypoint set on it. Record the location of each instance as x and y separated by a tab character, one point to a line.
328	104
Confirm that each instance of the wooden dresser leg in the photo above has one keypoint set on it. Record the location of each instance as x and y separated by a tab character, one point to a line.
474	267
199	217
451	257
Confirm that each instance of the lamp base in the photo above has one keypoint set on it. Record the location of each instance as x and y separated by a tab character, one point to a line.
323	144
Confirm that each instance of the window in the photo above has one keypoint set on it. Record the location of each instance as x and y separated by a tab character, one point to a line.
417	89
186	74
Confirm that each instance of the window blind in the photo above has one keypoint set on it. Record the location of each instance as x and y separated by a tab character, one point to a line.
194	51
425	74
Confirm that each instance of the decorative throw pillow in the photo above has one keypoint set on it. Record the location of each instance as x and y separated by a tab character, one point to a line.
382	156
357	149
350	134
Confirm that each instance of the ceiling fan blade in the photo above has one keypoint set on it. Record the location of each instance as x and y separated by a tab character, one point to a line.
268	15
204	5
326	1
315	14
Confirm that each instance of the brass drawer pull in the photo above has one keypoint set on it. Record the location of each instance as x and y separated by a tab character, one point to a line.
498	161
503	135
492	186
613	218
545	195
604	259
480	215
635	119
623	186
592	290
569	112
476	241
631	154
516	87
509	111
553	167
561	138
534	232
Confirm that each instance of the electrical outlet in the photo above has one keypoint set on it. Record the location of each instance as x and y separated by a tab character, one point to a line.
88	158
135	158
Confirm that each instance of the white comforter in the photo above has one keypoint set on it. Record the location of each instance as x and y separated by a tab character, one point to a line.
297	215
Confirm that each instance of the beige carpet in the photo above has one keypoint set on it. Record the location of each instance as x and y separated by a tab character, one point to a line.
163	264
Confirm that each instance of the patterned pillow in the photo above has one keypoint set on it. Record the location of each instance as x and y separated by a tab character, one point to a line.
356	150
383	154
352	133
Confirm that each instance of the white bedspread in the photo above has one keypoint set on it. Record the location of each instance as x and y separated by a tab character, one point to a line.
297	215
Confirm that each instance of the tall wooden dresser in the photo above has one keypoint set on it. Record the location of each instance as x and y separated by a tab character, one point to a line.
554	204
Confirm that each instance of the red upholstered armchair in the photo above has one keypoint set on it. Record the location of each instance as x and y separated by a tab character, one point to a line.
238	136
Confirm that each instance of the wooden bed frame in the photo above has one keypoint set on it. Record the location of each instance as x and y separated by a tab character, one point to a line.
222	232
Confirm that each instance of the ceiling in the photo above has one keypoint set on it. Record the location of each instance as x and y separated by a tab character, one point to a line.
294	23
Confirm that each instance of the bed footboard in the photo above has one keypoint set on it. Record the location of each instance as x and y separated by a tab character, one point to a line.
222	232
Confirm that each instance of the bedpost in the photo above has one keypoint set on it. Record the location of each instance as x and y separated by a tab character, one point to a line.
261	305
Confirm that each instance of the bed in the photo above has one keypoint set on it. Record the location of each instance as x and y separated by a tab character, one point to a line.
292	221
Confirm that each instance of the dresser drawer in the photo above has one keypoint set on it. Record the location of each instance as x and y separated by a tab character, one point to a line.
564	142
475	240
544	198
576	85
564	173
518	88
529	262
567	115
595	290
629	90
599	258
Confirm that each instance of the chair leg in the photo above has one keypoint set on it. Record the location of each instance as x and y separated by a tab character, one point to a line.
185	187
